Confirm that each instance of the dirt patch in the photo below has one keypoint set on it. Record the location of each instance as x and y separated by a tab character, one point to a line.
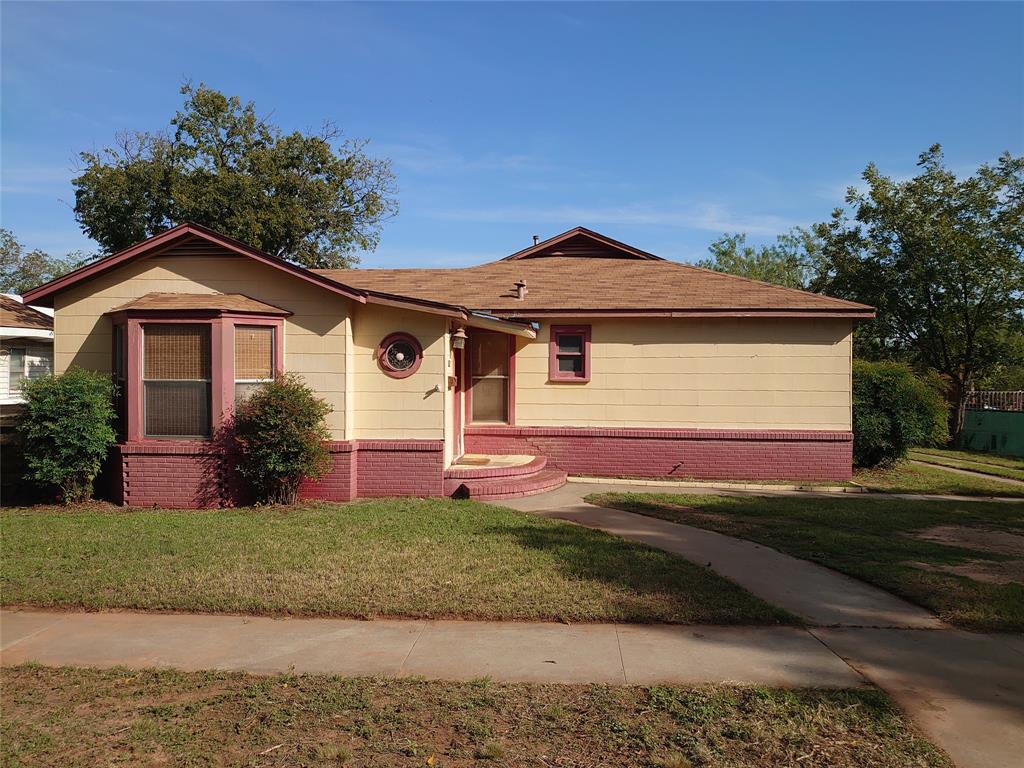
983	539
987	571
1010	545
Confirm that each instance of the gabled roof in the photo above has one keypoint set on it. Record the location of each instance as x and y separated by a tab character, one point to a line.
176	236
581	272
14	314
582	242
578	272
221	302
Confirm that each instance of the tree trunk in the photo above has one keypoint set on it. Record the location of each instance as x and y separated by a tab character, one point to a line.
956	414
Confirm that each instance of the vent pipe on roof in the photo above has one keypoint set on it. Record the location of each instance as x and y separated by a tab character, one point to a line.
520	289
536	239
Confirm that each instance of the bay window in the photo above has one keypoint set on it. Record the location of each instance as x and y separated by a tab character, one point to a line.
180	370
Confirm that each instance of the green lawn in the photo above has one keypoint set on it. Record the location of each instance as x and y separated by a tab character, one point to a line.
985	463
86	717
914	478
393	557
869	537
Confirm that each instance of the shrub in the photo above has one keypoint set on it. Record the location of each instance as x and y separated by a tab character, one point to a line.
279	432
66	430
893	410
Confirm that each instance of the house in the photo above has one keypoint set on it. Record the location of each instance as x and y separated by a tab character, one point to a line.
26	347
578	355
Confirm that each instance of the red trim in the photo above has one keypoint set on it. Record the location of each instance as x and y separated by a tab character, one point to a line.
568	330
390	339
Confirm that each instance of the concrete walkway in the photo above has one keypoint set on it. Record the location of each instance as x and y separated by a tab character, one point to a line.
817	594
448	650
965	690
968	472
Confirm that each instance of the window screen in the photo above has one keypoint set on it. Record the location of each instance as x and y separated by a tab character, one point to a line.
17	369
254	358
176	380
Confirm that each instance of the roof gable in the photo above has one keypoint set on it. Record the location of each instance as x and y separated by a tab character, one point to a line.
580	242
183	237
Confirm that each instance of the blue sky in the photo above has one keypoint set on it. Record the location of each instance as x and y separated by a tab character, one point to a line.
663	125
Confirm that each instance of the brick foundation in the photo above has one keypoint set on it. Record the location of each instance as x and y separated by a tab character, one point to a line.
696	453
194	474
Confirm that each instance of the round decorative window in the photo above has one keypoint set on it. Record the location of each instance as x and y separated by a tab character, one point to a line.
399	355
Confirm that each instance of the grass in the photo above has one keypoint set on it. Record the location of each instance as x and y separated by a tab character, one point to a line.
866	537
389	557
905	477
88	717
985	463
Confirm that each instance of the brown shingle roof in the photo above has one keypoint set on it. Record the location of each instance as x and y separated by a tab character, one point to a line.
14	314
574	283
228	302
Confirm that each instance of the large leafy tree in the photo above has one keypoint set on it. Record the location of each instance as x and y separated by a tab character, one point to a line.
942	258
315	199
792	260
21	269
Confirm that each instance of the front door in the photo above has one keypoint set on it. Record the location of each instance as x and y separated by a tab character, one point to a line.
488	361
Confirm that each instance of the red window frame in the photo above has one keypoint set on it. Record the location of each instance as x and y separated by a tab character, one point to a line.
557	331
222	341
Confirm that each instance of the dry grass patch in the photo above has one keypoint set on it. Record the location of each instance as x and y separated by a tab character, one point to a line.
83	717
390	557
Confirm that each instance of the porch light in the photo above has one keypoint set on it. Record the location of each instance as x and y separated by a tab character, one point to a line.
459	338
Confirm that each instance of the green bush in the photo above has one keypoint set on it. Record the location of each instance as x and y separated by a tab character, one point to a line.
893	410
66	430
279	432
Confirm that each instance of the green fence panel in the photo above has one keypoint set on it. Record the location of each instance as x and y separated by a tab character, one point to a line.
995	431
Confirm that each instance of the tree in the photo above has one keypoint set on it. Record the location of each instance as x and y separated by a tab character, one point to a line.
21	270
942	259
791	261
311	198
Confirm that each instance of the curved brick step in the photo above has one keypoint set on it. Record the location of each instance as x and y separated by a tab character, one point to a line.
470	472
511	487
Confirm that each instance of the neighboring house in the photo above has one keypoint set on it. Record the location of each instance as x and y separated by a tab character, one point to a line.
581	353
26	347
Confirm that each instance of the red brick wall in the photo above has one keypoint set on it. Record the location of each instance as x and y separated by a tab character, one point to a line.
192	474
701	454
400	468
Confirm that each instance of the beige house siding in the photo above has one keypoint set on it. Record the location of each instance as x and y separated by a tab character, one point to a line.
409	408
315	334
696	373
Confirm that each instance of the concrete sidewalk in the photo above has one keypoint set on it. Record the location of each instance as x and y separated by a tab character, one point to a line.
447	650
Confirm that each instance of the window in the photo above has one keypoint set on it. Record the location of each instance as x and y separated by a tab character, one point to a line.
254	358
120	376
399	355
22	363
16	360
569	353
176	380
